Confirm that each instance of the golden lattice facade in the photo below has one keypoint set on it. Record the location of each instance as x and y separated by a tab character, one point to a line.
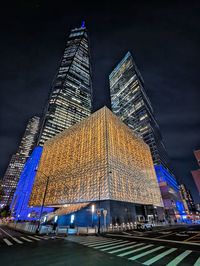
99	157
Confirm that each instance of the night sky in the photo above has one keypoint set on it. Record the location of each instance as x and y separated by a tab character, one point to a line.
163	36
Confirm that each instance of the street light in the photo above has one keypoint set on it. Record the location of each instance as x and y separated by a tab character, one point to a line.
43	200
92	213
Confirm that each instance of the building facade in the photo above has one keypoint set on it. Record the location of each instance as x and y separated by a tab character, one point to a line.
19	206
91	163
18	160
71	93
130	102
196	173
187	199
69	102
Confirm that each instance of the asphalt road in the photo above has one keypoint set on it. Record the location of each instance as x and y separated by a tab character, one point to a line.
44	250
132	248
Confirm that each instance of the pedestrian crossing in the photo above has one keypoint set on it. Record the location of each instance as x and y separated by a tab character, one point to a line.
144	253
10	241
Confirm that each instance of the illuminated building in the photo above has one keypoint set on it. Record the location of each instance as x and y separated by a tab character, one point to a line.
131	104
187	199
18	160
196	173
99	158
23	191
70	98
174	206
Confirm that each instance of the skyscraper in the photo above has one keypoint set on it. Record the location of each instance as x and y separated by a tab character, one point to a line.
70	98
69	103
130	102
18	160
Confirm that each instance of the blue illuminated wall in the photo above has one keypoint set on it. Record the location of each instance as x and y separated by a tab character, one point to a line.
19	205
164	176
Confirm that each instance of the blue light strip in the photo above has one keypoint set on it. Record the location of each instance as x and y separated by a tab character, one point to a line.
19	205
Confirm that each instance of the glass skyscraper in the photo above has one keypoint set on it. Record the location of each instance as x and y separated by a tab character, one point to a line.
130	102
69	103
70	98
18	160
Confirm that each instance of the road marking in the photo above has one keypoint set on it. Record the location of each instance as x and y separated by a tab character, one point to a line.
160	256
197	263
100	243
118	246
145	253
179	258
32	237
191	237
133	251
179	234
122	249
155	239
26	239
166	235
16	240
108	244
7	242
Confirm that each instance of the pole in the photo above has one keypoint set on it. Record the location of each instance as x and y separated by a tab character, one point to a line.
99	214
42	206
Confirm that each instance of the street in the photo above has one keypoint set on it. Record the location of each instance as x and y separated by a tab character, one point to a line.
158	247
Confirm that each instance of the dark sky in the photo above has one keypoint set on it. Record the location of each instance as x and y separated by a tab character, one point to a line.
164	37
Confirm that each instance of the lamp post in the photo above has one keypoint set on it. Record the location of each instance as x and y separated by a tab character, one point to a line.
43	200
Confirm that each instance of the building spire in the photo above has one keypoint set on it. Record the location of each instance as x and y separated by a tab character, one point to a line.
83	24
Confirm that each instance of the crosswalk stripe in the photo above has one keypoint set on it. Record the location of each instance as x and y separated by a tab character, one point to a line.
122	249
102	245
97	240
179	258
197	263
38	236
160	256
115	246
145	253
17	240
32	237
133	251
26	239
7	242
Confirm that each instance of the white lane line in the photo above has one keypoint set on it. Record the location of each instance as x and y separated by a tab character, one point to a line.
156	240
122	249
134	250
13	238
7	242
116	246
32	237
102	245
17	240
197	263
160	256
179	258
96	240
26	239
40	237
145	253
